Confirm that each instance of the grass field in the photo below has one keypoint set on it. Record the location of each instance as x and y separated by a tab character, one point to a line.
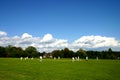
63	69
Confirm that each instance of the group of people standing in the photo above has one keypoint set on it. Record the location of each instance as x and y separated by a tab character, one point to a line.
77	58
73	58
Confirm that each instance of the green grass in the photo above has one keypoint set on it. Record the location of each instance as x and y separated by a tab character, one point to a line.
63	69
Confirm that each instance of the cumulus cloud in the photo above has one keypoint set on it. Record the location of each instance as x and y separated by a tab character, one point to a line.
95	42
48	43
2	33
26	35
47	38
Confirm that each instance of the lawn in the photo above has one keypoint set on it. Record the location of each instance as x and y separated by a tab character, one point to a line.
63	69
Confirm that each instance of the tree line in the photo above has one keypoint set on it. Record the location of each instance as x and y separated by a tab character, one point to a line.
30	51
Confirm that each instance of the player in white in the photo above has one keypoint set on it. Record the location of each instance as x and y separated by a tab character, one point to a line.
73	59
41	58
86	58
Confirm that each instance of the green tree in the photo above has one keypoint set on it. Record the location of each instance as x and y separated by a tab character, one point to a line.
56	53
31	51
13	51
110	50
10	51
66	53
81	53
18	52
2	52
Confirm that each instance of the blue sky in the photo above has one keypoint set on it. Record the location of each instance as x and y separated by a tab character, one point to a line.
64	19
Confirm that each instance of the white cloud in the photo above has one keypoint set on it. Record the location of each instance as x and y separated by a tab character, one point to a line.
47	38
95	42
2	33
49	43
26	35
